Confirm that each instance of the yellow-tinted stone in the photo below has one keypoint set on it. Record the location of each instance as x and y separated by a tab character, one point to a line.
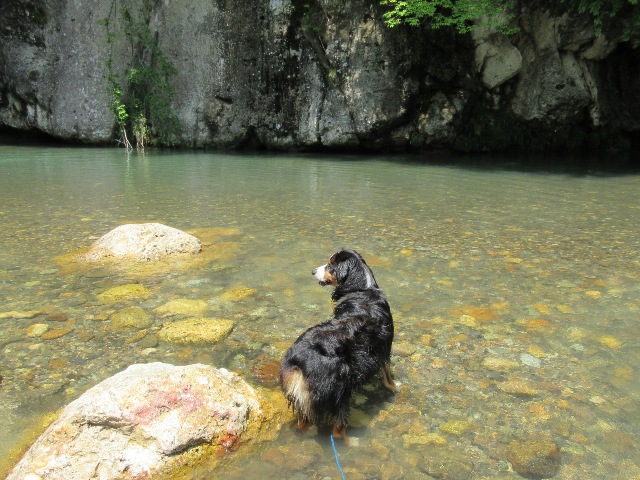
196	330
132	318
236	294
536	351
426	439
16	314
611	342
124	292
455	427
534	458
564	308
541	307
540	325
56	333
498	364
518	388
182	306
481	314
37	329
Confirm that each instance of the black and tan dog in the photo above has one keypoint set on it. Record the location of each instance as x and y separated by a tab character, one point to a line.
322	369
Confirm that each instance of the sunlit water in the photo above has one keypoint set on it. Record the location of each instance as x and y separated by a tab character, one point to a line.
516	297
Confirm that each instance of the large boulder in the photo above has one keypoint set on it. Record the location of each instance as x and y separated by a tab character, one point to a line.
142	242
144	422
497	60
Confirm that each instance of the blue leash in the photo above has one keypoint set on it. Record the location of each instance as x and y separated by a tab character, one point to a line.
335	453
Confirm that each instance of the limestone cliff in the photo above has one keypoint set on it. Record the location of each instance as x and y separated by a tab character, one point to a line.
323	74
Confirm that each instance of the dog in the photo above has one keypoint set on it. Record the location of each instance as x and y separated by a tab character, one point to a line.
329	361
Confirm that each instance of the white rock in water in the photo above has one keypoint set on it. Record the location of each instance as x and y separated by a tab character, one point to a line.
137	423
144	241
530	361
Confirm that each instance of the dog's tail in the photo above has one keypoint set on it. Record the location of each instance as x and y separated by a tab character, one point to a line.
296	389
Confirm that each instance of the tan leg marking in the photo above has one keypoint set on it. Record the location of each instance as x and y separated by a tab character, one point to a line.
387	379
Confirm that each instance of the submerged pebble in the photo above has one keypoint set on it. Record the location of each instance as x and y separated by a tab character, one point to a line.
237	294
124	292
131	318
37	329
534	458
56	333
530	361
196	330
183	306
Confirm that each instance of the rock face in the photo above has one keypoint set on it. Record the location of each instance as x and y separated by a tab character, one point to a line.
143	242
142	423
322	74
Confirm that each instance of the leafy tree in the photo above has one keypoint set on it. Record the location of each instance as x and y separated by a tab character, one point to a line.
463	15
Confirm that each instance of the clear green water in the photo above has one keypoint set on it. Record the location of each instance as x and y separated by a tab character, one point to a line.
516	297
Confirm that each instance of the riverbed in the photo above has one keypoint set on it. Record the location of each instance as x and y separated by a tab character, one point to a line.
515	294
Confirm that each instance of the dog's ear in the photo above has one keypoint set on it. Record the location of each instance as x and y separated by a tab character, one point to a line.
352	273
343	255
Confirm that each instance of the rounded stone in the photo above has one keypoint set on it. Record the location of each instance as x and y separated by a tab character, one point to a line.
56	333
237	294
142	242
196	330
132	318
182	306
124	292
37	329
147	421
517	388
534	458
497	364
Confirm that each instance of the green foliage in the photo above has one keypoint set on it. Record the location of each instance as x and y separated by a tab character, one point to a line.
143	108
610	12
119	108
463	15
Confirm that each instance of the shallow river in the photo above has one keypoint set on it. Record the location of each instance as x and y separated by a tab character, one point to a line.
516	298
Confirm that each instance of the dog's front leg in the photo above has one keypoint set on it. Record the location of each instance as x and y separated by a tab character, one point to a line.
387	379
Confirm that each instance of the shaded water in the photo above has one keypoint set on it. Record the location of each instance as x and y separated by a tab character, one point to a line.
516	298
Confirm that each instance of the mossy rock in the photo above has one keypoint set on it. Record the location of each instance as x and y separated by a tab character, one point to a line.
131	318
534	458
182	306
237	294
196	330
124	292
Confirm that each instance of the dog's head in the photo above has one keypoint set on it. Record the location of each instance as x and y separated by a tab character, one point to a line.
346	271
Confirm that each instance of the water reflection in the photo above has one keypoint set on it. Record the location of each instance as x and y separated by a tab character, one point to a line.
516	298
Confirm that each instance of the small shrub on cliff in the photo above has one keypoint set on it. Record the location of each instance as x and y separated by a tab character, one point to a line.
143	106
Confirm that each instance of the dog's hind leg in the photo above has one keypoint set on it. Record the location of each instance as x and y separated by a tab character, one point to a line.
339	431
303	425
387	379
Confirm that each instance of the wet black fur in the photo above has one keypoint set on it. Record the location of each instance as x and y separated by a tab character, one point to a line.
343	353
